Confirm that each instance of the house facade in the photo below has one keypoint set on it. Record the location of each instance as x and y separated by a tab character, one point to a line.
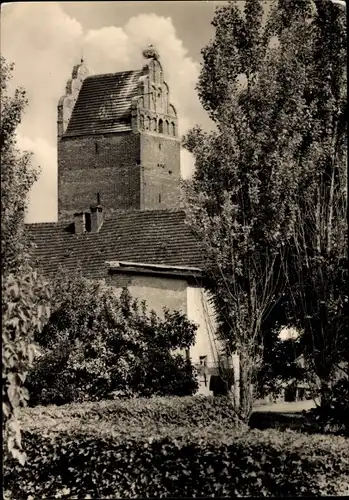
119	208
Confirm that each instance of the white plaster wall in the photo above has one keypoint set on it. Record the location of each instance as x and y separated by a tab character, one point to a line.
201	311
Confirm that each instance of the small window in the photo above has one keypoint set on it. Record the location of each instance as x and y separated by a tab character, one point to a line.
160	147
88	222
96	148
161	127
159	198
203	360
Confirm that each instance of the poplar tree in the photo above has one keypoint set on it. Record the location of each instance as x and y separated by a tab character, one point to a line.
245	202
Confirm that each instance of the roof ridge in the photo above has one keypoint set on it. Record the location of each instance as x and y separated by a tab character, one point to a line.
113	74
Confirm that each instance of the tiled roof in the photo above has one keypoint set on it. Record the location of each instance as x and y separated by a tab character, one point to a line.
104	104
152	237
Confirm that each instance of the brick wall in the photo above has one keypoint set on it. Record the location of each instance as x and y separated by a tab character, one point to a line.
160	171
108	165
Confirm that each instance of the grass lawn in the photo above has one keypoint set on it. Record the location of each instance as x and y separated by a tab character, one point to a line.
294	407
280	416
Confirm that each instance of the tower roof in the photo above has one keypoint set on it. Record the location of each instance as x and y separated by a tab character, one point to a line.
104	104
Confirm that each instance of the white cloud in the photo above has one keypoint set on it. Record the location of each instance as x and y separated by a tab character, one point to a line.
43	196
47	44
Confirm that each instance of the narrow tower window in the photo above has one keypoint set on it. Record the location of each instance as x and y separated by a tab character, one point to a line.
96	148
161	127
159	198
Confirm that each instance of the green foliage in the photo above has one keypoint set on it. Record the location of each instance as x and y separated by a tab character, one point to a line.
136	412
332	416
24	309
98	341
107	461
317	264
17	177
24	295
280	365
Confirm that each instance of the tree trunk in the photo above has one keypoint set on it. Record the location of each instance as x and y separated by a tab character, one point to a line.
236	369
245	408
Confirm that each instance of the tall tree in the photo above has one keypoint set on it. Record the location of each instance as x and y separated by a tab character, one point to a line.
17	175
318	266
24	295
243	200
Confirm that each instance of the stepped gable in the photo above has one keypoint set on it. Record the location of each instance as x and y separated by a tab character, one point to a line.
104	104
154	237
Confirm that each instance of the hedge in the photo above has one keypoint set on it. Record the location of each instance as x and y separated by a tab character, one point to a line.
189	410
122	461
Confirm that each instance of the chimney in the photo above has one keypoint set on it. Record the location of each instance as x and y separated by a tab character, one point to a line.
96	218
79	222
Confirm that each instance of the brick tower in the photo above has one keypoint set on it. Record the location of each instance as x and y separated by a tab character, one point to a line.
118	141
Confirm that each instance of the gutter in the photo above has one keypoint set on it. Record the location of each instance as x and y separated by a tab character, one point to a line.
154	269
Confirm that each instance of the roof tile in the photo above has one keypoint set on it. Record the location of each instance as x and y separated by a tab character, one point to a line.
151	237
104	104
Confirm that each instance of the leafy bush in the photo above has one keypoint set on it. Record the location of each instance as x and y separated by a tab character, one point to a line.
24	309
332	416
106	461
98	341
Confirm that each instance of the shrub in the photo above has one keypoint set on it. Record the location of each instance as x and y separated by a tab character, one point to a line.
106	461
98	341
332	416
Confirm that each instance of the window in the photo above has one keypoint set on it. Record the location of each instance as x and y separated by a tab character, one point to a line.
160	147
96	148
153	124
203	360
203	363
159	198
88	222
161	126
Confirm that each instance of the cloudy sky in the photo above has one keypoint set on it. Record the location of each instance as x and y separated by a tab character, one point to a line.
46	39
